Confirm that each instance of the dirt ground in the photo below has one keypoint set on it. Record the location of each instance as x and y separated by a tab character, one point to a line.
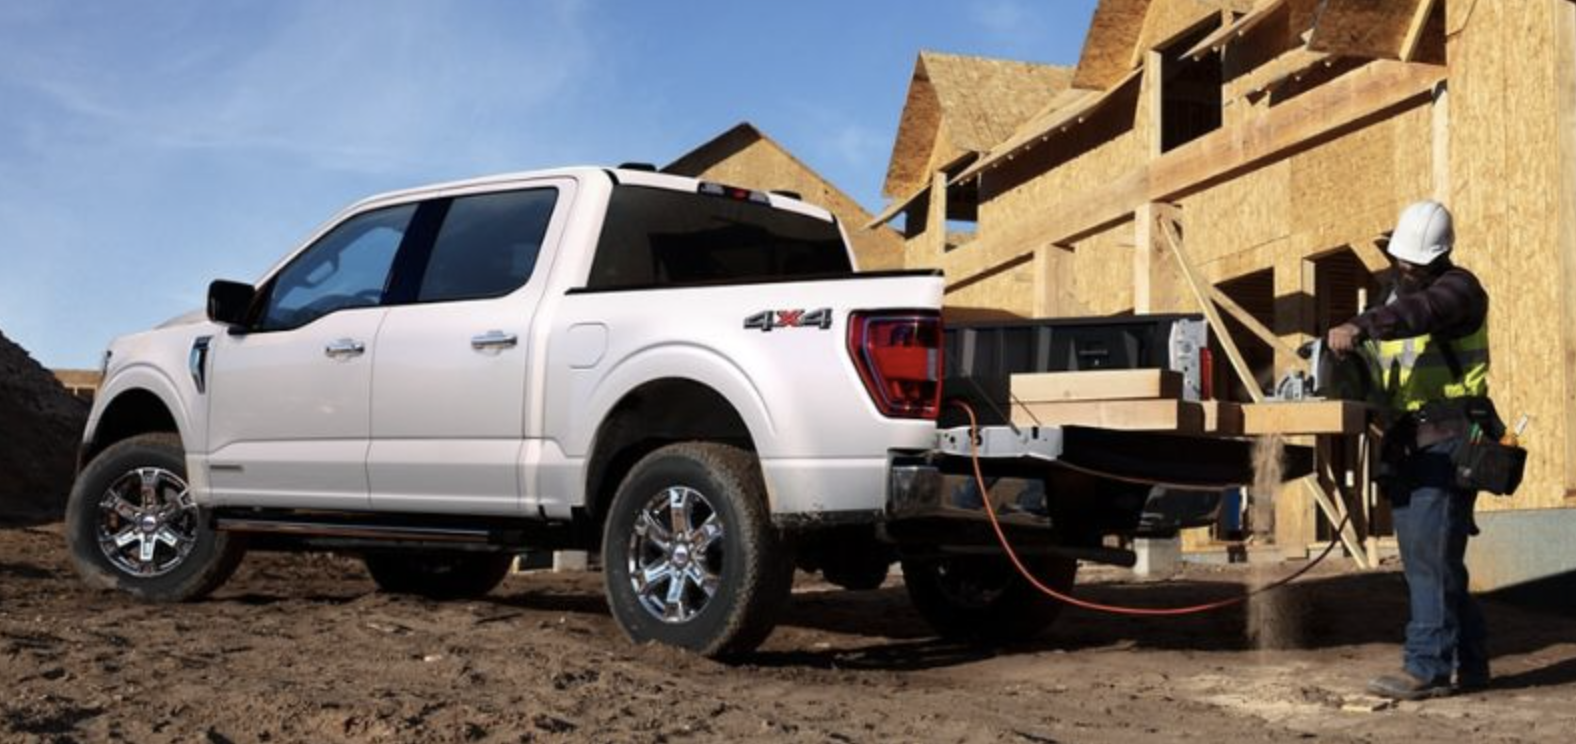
300	648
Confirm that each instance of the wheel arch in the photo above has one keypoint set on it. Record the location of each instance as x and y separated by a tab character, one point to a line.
133	409
655	414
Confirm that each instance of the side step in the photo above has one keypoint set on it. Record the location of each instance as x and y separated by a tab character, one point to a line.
316	530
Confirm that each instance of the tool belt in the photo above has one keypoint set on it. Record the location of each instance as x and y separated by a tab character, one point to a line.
1482	462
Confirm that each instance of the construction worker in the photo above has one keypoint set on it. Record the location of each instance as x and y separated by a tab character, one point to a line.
1429	343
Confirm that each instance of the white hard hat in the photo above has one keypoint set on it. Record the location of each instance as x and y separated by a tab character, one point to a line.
1424	233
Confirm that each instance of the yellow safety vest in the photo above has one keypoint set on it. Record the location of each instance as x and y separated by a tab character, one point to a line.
1414	372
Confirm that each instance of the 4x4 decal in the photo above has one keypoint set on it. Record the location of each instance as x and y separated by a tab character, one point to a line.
766	320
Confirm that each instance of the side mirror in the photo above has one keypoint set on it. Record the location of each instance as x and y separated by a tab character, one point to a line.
228	302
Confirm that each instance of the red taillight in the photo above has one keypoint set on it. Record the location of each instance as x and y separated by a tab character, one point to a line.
899	359
1206	373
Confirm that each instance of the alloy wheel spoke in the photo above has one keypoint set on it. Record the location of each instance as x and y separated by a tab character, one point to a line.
675	603
123	508
709	532
649	528
679	504
652	574
168	537
146	548
149	478
126	537
705	579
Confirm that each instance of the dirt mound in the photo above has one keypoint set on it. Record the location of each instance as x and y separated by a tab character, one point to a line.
40	426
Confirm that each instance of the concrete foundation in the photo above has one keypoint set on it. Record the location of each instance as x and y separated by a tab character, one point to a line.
1526	556
1157	557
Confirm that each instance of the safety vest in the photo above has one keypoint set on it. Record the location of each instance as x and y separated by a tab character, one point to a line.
1416	371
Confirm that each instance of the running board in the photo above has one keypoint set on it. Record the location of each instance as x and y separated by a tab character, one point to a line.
306	528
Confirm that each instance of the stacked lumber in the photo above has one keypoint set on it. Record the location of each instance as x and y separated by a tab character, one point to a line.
1151	400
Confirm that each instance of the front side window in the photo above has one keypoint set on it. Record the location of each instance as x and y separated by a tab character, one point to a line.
347	268
488	245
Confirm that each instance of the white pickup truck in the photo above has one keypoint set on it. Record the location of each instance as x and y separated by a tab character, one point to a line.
689	377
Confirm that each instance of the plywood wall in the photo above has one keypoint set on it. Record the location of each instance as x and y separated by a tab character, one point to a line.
1506	178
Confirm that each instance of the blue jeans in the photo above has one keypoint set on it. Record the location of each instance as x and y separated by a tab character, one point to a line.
1433	520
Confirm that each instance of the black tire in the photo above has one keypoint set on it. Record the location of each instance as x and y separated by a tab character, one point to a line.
438	575
93	525
749	565
983	599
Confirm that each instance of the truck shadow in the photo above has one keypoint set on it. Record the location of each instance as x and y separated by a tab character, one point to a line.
1315	614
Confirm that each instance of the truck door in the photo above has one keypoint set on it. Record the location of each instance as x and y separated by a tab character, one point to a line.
449	383
289	397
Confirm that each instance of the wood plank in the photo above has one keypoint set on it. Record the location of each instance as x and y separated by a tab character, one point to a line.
1096	385
1565	205
1256	328
1122	415
1222	418
1311	417
1273	73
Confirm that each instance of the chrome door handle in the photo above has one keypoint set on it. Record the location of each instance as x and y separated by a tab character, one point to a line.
344	349
494	340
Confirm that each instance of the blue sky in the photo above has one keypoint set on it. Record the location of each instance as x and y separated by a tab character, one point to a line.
146	148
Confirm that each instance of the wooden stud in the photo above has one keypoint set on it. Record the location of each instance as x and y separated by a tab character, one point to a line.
936	218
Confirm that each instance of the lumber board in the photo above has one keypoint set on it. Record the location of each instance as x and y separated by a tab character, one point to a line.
1414	32
1122	415
1097	385
1222	418
1306	417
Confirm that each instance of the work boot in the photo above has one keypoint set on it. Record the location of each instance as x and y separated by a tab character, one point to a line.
1472	680
1405	686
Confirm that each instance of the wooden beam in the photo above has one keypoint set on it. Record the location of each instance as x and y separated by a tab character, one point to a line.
1095	385
1197	284
1056	225
1344	104
1414	30
936	218
1565	204
1333	417
1154	274
1123	415
1282	68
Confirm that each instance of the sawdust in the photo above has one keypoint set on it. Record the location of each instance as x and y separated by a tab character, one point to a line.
1274	618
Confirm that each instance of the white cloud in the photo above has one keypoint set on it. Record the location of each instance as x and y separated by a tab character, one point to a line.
1002	17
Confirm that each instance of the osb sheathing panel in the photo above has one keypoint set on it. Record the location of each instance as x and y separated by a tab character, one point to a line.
1011	290
1505	177
916	134
1364	28
1168	19
763	166
1103	272
1108	48
958	104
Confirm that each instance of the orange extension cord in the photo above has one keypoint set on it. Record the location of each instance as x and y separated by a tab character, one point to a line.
1012	555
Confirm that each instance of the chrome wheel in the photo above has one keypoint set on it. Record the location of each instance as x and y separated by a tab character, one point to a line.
675	554
147	522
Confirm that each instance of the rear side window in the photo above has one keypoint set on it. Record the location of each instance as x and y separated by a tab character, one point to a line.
658	236
487	246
